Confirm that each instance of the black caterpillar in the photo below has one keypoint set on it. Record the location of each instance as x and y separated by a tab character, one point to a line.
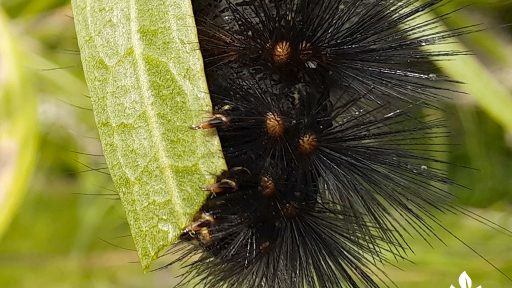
318	107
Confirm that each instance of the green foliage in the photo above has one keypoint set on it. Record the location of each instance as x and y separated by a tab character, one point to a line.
491	95
23	8
17	126
145	75
488	154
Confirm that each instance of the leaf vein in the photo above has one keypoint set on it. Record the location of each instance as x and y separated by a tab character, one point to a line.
154	127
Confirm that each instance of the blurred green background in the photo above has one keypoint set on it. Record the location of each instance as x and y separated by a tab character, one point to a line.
61	224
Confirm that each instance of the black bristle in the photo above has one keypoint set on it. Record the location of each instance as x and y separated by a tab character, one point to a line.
353	174
318	105
359	45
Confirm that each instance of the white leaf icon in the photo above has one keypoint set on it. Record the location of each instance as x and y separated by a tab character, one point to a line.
465	281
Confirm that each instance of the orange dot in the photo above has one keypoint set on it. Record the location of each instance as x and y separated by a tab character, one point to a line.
282	52
274	124
308	143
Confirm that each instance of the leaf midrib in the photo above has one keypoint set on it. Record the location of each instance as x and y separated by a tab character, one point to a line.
154	127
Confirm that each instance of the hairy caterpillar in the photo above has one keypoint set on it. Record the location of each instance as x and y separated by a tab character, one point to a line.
354	44
317	107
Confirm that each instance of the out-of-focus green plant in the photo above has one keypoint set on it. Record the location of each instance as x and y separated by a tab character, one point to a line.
17	126
491	95
481	121
24	8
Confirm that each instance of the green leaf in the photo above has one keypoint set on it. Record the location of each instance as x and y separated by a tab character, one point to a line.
145	74
492	96
18	121
23	8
